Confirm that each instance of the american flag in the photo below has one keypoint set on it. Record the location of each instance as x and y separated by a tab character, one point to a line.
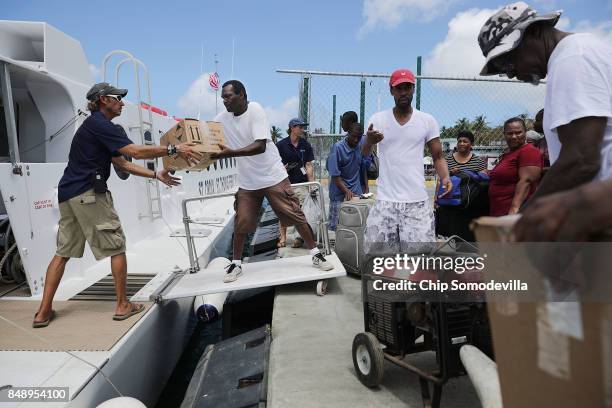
213	80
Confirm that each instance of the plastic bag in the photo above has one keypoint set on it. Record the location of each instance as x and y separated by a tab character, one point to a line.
312	210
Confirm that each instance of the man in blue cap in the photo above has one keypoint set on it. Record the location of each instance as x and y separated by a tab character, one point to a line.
297	156
86	206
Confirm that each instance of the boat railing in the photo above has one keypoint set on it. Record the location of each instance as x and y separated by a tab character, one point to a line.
194	265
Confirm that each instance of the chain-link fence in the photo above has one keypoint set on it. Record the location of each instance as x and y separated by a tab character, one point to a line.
475	104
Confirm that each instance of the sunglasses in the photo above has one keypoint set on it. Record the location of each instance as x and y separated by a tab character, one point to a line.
118	98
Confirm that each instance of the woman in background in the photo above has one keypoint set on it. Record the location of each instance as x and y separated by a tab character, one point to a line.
517	173
451	220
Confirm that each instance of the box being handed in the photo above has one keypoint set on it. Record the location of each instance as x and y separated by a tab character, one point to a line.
206	135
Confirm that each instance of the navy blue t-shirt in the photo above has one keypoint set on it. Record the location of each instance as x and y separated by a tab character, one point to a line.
94	144
292	155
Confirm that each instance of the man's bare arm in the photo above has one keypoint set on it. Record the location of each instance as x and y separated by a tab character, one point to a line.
580	157
437	155
257	147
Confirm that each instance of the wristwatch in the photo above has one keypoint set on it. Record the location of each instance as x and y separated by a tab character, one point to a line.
171	150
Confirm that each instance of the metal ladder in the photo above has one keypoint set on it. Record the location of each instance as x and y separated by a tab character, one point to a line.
144	128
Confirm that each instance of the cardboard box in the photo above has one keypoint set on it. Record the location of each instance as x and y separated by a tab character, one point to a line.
206	135
549	354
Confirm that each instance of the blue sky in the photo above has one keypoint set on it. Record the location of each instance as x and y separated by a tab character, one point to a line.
357	36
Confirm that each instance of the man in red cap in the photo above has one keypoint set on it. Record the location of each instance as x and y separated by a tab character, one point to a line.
402	214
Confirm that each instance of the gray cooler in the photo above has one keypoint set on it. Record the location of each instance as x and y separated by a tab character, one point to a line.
349	233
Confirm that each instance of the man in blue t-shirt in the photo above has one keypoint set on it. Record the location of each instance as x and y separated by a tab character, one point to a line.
86	206
344	164
297	156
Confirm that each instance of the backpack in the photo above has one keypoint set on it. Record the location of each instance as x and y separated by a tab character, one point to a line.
468	190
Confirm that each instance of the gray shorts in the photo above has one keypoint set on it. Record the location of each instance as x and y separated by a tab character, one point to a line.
394	228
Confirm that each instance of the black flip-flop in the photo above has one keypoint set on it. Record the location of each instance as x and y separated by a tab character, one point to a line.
139	307
44	323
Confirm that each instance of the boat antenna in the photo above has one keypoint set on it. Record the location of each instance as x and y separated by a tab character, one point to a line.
201	81
216	90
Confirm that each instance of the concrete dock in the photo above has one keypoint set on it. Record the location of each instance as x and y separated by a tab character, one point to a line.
311	362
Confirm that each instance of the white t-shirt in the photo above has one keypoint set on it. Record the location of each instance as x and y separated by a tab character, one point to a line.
259	171
579	84
401	175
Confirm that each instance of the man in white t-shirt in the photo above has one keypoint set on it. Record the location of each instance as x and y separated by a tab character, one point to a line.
260	174
402	214
518	42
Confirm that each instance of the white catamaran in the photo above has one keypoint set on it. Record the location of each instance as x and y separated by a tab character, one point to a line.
45	75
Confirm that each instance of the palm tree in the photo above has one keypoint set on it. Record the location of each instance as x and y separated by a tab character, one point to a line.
463	124
276	133
480	123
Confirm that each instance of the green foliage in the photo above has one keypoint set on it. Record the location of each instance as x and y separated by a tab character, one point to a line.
276	133
484	133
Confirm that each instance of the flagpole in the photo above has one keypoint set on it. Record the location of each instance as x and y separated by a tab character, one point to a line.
201	80
216	90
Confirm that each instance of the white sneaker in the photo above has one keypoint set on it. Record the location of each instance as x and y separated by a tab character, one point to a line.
319	261
233	272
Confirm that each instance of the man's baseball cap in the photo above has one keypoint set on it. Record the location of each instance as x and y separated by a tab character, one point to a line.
400	76
297	122
104	88
504	30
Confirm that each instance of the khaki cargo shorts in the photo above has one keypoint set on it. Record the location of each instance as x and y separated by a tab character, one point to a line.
89	217
283	201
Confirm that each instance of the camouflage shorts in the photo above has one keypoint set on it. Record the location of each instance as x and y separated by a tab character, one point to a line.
394	228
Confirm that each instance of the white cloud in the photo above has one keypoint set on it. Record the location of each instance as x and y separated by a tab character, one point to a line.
390	13
459	54
284	113
563	24
95	72
200	95
603	29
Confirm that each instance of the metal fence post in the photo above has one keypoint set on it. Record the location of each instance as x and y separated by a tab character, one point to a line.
320	149
418	84
333	129
362	101
304	100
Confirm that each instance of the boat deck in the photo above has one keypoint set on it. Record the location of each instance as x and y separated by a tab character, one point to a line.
311	362
65	333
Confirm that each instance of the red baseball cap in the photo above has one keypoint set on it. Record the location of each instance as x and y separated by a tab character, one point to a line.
400	76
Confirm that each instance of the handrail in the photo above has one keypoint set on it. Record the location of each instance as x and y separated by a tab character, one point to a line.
194	264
